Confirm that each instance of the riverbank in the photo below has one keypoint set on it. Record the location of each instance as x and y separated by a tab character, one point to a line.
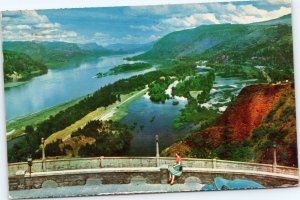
13	84
15	128
112	111
125	68
62	85
122	109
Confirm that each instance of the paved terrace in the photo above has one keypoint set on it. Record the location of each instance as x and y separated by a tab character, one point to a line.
103	175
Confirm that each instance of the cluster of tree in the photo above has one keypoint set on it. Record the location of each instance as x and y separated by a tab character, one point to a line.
157	89
227	150
193	113
238	57
201	82
112	139
54	149
125	68
258	148
102	98
246	71
21	66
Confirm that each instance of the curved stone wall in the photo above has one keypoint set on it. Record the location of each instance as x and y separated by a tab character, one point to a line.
121	170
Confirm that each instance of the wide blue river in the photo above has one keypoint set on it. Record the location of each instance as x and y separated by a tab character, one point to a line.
61	85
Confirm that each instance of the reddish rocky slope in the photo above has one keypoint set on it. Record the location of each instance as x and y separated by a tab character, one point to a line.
238	135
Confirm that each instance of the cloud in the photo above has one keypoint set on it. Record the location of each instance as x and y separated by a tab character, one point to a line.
101	35
252	10
18	27
146	28
163	10
31	26
23	17
191	21
149	10
278	1
215	13
47	25
250	14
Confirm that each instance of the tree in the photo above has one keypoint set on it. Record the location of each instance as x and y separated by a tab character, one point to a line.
53	149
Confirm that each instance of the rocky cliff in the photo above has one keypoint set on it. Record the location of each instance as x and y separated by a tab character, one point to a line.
261	116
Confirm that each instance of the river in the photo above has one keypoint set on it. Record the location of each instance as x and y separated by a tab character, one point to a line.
62	85
153	119
156	118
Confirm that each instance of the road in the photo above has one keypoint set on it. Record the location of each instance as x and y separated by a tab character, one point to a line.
109	113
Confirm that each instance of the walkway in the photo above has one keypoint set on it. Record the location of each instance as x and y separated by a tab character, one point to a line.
94	189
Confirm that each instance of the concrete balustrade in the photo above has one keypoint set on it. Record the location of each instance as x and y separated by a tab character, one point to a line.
120	170
132	162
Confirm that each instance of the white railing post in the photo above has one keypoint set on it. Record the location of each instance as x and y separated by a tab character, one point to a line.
101	161
43	155
157	151
274	157
214	163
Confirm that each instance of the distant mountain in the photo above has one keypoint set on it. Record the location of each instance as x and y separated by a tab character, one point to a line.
92	47
130	48
266	43
18	66
262	115
56	54
193	41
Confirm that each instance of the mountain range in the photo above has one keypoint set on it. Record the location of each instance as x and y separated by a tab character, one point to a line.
56	54
130	48
258	44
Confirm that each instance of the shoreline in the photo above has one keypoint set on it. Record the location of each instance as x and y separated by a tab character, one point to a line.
15	126
99	114
13	84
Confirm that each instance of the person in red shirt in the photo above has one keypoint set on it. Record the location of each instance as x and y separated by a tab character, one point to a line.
176	170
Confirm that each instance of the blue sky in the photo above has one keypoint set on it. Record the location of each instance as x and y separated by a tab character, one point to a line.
139	24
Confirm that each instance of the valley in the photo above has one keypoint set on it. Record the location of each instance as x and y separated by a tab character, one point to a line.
202	79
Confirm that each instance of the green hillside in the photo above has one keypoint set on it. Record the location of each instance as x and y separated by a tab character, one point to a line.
56	54
18	66
231	47
193	41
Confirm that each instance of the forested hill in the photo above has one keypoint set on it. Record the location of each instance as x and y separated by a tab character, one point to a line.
130	48
266	43
56	54
18	66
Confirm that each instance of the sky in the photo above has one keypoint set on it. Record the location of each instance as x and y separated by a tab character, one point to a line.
132	25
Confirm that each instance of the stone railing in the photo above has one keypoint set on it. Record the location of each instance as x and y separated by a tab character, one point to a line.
154	170
137	162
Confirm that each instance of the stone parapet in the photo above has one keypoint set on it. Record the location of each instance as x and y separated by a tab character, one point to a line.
132	162
120	170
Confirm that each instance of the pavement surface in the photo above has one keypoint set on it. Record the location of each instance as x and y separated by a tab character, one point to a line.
96	190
